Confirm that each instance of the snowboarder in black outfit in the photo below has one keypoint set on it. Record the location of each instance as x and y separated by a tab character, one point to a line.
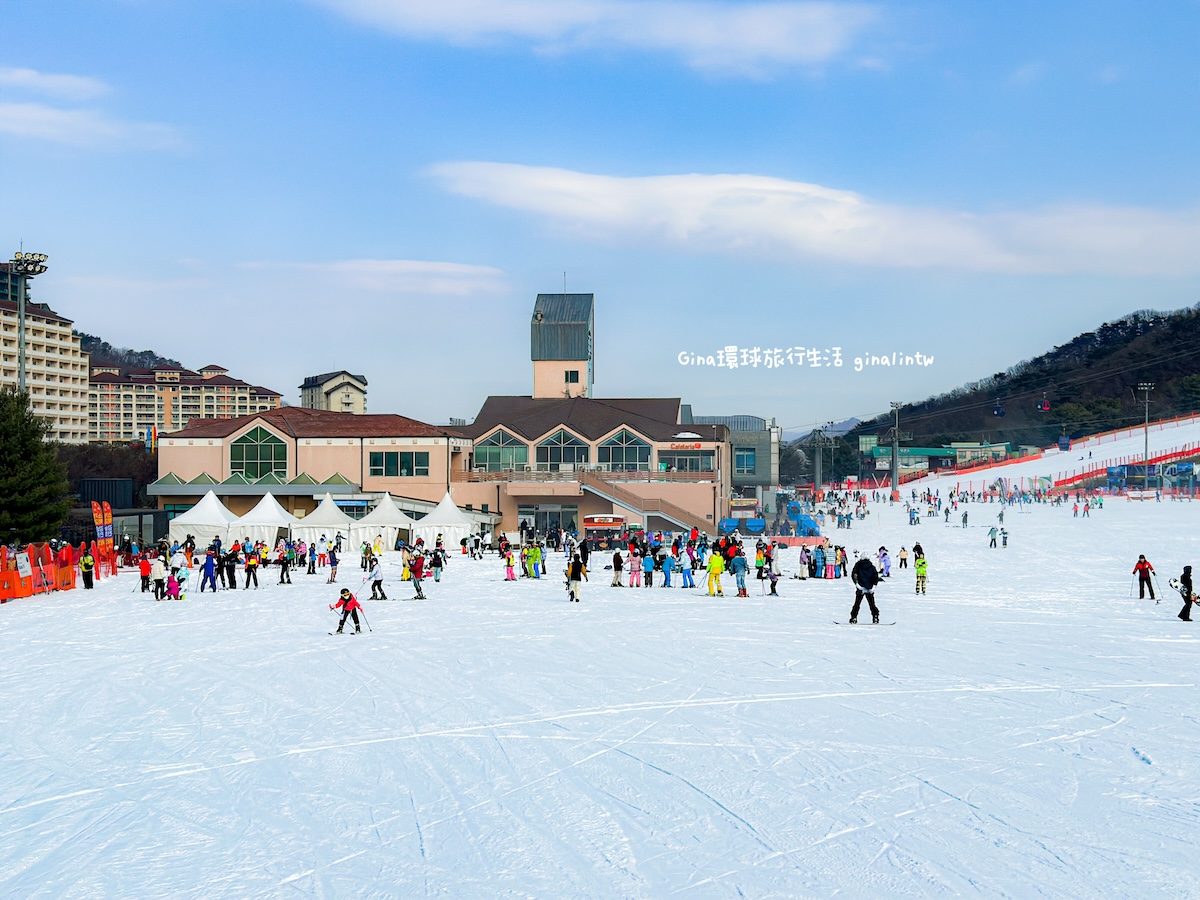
1185	589
865	577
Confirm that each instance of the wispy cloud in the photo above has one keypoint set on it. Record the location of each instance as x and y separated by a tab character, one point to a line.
753	214
66	87
401	276
88	128
731	37
1030	73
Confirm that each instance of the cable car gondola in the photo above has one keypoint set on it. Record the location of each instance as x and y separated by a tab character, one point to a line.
998	409
1043	405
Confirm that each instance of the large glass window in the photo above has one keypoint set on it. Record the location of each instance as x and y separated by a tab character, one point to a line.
624	452
743	461
392	464
258	453
501	451
686	460
561	449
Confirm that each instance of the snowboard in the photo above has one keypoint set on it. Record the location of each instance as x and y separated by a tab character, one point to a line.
865	623
1174	583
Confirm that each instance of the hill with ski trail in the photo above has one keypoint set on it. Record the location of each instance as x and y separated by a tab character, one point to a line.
1087	456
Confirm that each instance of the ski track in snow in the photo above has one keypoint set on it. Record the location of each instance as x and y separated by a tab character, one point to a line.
1027	728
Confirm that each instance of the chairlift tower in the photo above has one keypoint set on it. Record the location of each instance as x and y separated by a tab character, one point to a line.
895	435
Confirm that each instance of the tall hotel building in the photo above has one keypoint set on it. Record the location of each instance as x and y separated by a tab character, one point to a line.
56	369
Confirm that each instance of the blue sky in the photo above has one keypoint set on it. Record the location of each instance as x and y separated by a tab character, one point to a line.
286	188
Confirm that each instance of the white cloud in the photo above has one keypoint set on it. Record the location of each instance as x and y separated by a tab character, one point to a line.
83	128
1030	73
753	214
744	38
67	87
401	276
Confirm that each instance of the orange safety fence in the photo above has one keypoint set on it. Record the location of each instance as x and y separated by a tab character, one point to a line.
52	571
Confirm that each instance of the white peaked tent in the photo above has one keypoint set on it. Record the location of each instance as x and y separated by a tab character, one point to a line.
447	520
207	518
326	520
385	519
263	523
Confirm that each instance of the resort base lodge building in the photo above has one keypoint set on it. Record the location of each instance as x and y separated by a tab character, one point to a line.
549	459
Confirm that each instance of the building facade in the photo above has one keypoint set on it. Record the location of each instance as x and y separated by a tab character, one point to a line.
127	406
549	459
56	369
339	391
755	450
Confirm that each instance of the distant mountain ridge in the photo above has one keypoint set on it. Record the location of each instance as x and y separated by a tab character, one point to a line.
105	354
1089	384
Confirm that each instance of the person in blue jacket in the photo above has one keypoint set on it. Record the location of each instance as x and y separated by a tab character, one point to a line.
668	564
648	569
740	567
208	571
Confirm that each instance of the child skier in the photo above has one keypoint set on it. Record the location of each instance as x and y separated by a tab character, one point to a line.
922	567
349	606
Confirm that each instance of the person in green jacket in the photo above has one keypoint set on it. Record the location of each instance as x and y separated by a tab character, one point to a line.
87	564
922	565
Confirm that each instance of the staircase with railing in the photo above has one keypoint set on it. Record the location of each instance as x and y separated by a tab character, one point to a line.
644	505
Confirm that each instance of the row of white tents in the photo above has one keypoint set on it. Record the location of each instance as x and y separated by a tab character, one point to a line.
268	521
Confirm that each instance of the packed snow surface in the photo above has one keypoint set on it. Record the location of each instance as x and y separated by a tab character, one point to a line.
1027	728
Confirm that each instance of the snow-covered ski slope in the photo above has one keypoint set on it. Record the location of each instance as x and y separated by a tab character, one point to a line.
1028	728
1110	449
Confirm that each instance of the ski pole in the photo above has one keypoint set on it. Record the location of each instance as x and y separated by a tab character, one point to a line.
1132	579
362	612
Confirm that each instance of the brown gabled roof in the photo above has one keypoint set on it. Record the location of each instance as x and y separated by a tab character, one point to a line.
656	418
297	421
38	310
264	392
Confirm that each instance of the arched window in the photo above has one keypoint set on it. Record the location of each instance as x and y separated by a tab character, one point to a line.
257	453
561	449
624	452
501	451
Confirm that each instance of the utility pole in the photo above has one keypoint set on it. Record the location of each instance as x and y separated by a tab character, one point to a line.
895	435
1146	387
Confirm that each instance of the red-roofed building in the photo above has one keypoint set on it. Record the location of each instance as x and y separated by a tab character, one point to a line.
127	405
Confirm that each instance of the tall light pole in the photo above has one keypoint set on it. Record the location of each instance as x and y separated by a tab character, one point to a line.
1146	387
24	266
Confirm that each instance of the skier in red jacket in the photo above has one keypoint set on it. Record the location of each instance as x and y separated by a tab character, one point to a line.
349	606
1143	570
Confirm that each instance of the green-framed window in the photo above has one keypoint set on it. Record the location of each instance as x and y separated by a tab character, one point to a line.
624	452
258	453
501	451
399	464
561	449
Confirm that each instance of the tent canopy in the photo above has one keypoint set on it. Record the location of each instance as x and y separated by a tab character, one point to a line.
207	518
264	522
326	520
386	520
447	520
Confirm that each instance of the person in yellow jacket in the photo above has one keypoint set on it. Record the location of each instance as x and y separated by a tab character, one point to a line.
716	565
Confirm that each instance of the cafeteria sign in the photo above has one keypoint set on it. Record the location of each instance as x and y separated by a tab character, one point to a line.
685	446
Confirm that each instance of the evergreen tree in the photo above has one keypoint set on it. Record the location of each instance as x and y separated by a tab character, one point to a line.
33	483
